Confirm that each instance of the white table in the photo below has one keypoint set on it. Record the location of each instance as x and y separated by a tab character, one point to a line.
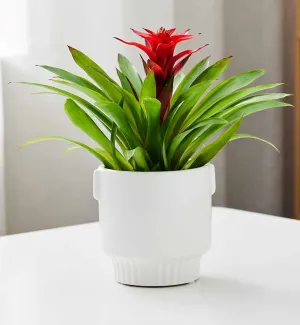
61	277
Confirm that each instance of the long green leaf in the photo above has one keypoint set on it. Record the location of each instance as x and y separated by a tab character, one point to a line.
200	87
114	131
214	71
192	142
148	87
131	120
72	77
98	114
134	111
84	122
249	136
94	95
102	155
231	114
115	113
107	84
177	80
235	97
140	156
84	62
254	100
153	138
250	108
179	139
70	149
189	79
223	89
91	108
165	156
130	72
111	89
125	82
210	151
177	117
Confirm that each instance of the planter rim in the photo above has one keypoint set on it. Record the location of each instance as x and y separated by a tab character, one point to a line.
101	167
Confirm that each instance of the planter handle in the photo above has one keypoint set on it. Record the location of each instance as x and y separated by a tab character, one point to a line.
96	184
212	177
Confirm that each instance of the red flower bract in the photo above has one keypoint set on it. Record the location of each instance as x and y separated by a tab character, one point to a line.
161	60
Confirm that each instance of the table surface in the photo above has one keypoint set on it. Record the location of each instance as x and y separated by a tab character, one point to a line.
62	277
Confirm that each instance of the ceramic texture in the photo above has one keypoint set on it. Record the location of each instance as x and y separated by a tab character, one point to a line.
156	226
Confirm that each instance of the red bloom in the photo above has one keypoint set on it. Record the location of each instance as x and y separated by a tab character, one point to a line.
160	48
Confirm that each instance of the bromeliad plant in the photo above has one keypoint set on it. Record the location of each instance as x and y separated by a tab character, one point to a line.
166	121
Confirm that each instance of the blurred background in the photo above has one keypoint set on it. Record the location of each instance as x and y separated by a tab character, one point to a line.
41	189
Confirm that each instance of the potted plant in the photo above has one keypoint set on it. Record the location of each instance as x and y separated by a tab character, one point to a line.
155	138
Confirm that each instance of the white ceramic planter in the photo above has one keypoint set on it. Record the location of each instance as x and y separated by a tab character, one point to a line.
156	226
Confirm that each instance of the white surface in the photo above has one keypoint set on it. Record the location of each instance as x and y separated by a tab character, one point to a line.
61	277
169	231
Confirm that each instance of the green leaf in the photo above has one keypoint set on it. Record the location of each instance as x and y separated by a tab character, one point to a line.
107	84
253	100
192	142
153	138
102	155
84	62
114	131
70	149
222	89
249	136
177	80
214	71
130	72
84	122
165	156
231	115
201	87
94	95
140	156
102	118
131	120
115	113
148	87
112	90
233	98
245	109
125	83
210	151
189	79
105	116
176	118
210	74
179	139
134	112
72	77
94	110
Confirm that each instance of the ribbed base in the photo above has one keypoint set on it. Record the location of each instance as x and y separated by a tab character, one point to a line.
153	273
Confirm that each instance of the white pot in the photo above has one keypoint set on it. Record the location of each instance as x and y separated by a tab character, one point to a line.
156	226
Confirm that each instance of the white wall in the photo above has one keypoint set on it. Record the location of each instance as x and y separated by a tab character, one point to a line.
44	190
253	34
2	197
